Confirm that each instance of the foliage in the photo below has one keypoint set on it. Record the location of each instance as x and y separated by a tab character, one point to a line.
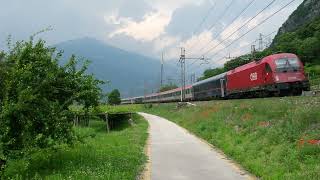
120	109
269	137
211	72
305	42
239	61
114	97
35	95
168	87
97	155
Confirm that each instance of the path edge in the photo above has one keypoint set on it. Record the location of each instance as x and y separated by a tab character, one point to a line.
146	172
234	164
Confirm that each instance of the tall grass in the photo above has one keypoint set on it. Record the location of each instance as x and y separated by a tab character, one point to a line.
269	137
97	155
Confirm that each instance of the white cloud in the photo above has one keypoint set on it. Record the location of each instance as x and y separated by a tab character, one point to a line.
164	42
195	46
152	26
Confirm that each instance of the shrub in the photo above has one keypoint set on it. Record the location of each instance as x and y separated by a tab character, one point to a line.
35	96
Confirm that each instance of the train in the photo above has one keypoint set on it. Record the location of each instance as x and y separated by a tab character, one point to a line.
279	74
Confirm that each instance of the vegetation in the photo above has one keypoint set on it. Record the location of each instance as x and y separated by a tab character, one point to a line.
35	96
168	87
96	155
274	138
122	108
114	97
211	72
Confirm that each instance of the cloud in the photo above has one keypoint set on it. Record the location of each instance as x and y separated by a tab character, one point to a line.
153	23
164	42
195	46
151	27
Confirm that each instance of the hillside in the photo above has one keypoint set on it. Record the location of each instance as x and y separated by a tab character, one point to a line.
125	70
305	13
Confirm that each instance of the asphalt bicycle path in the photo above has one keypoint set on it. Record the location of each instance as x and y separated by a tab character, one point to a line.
177	154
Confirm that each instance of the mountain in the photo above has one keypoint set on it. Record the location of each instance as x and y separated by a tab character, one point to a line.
307	11
300	34
129	72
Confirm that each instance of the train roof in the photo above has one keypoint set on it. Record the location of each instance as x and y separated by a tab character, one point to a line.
131	98
168	92
210	79
268	59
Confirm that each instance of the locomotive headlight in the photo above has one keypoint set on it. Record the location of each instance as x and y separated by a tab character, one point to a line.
277	78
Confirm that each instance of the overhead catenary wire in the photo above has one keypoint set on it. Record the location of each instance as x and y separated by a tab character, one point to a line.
214	24
205	17
233	20
196	67
236	17
262	22
246	23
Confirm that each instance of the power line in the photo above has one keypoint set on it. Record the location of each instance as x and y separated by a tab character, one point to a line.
216	22
208	51
236	17
205	17
196	67
241	26
283	7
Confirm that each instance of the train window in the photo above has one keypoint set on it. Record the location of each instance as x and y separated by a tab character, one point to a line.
268	68
287	64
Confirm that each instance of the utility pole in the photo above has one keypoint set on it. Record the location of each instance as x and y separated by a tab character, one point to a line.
253	51
260	42
182	62
193	78
161	75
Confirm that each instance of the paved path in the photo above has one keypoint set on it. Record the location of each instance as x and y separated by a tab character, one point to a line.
176	154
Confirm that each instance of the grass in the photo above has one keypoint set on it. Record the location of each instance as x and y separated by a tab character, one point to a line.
97	155
268	137
120	108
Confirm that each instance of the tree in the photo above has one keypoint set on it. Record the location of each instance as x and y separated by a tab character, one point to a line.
168	87
114	97
36	93
211	72
239	61
310	49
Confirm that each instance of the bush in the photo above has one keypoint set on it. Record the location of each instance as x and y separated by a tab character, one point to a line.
114	97
35	96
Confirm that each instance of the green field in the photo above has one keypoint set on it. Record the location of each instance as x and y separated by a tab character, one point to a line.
96	155
271	138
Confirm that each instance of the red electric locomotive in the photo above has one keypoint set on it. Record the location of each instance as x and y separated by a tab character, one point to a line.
278	74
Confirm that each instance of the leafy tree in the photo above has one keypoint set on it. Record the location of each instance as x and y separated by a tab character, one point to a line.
234	63
36	93
114	97
211	72
309	49
168	87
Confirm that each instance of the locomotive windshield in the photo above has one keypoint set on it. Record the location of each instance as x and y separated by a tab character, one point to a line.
287	65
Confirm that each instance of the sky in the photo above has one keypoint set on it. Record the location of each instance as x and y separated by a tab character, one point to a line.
149	27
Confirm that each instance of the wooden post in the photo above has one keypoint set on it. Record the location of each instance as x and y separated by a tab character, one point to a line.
107	122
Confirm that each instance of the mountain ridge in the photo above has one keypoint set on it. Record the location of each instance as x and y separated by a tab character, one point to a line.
127	71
